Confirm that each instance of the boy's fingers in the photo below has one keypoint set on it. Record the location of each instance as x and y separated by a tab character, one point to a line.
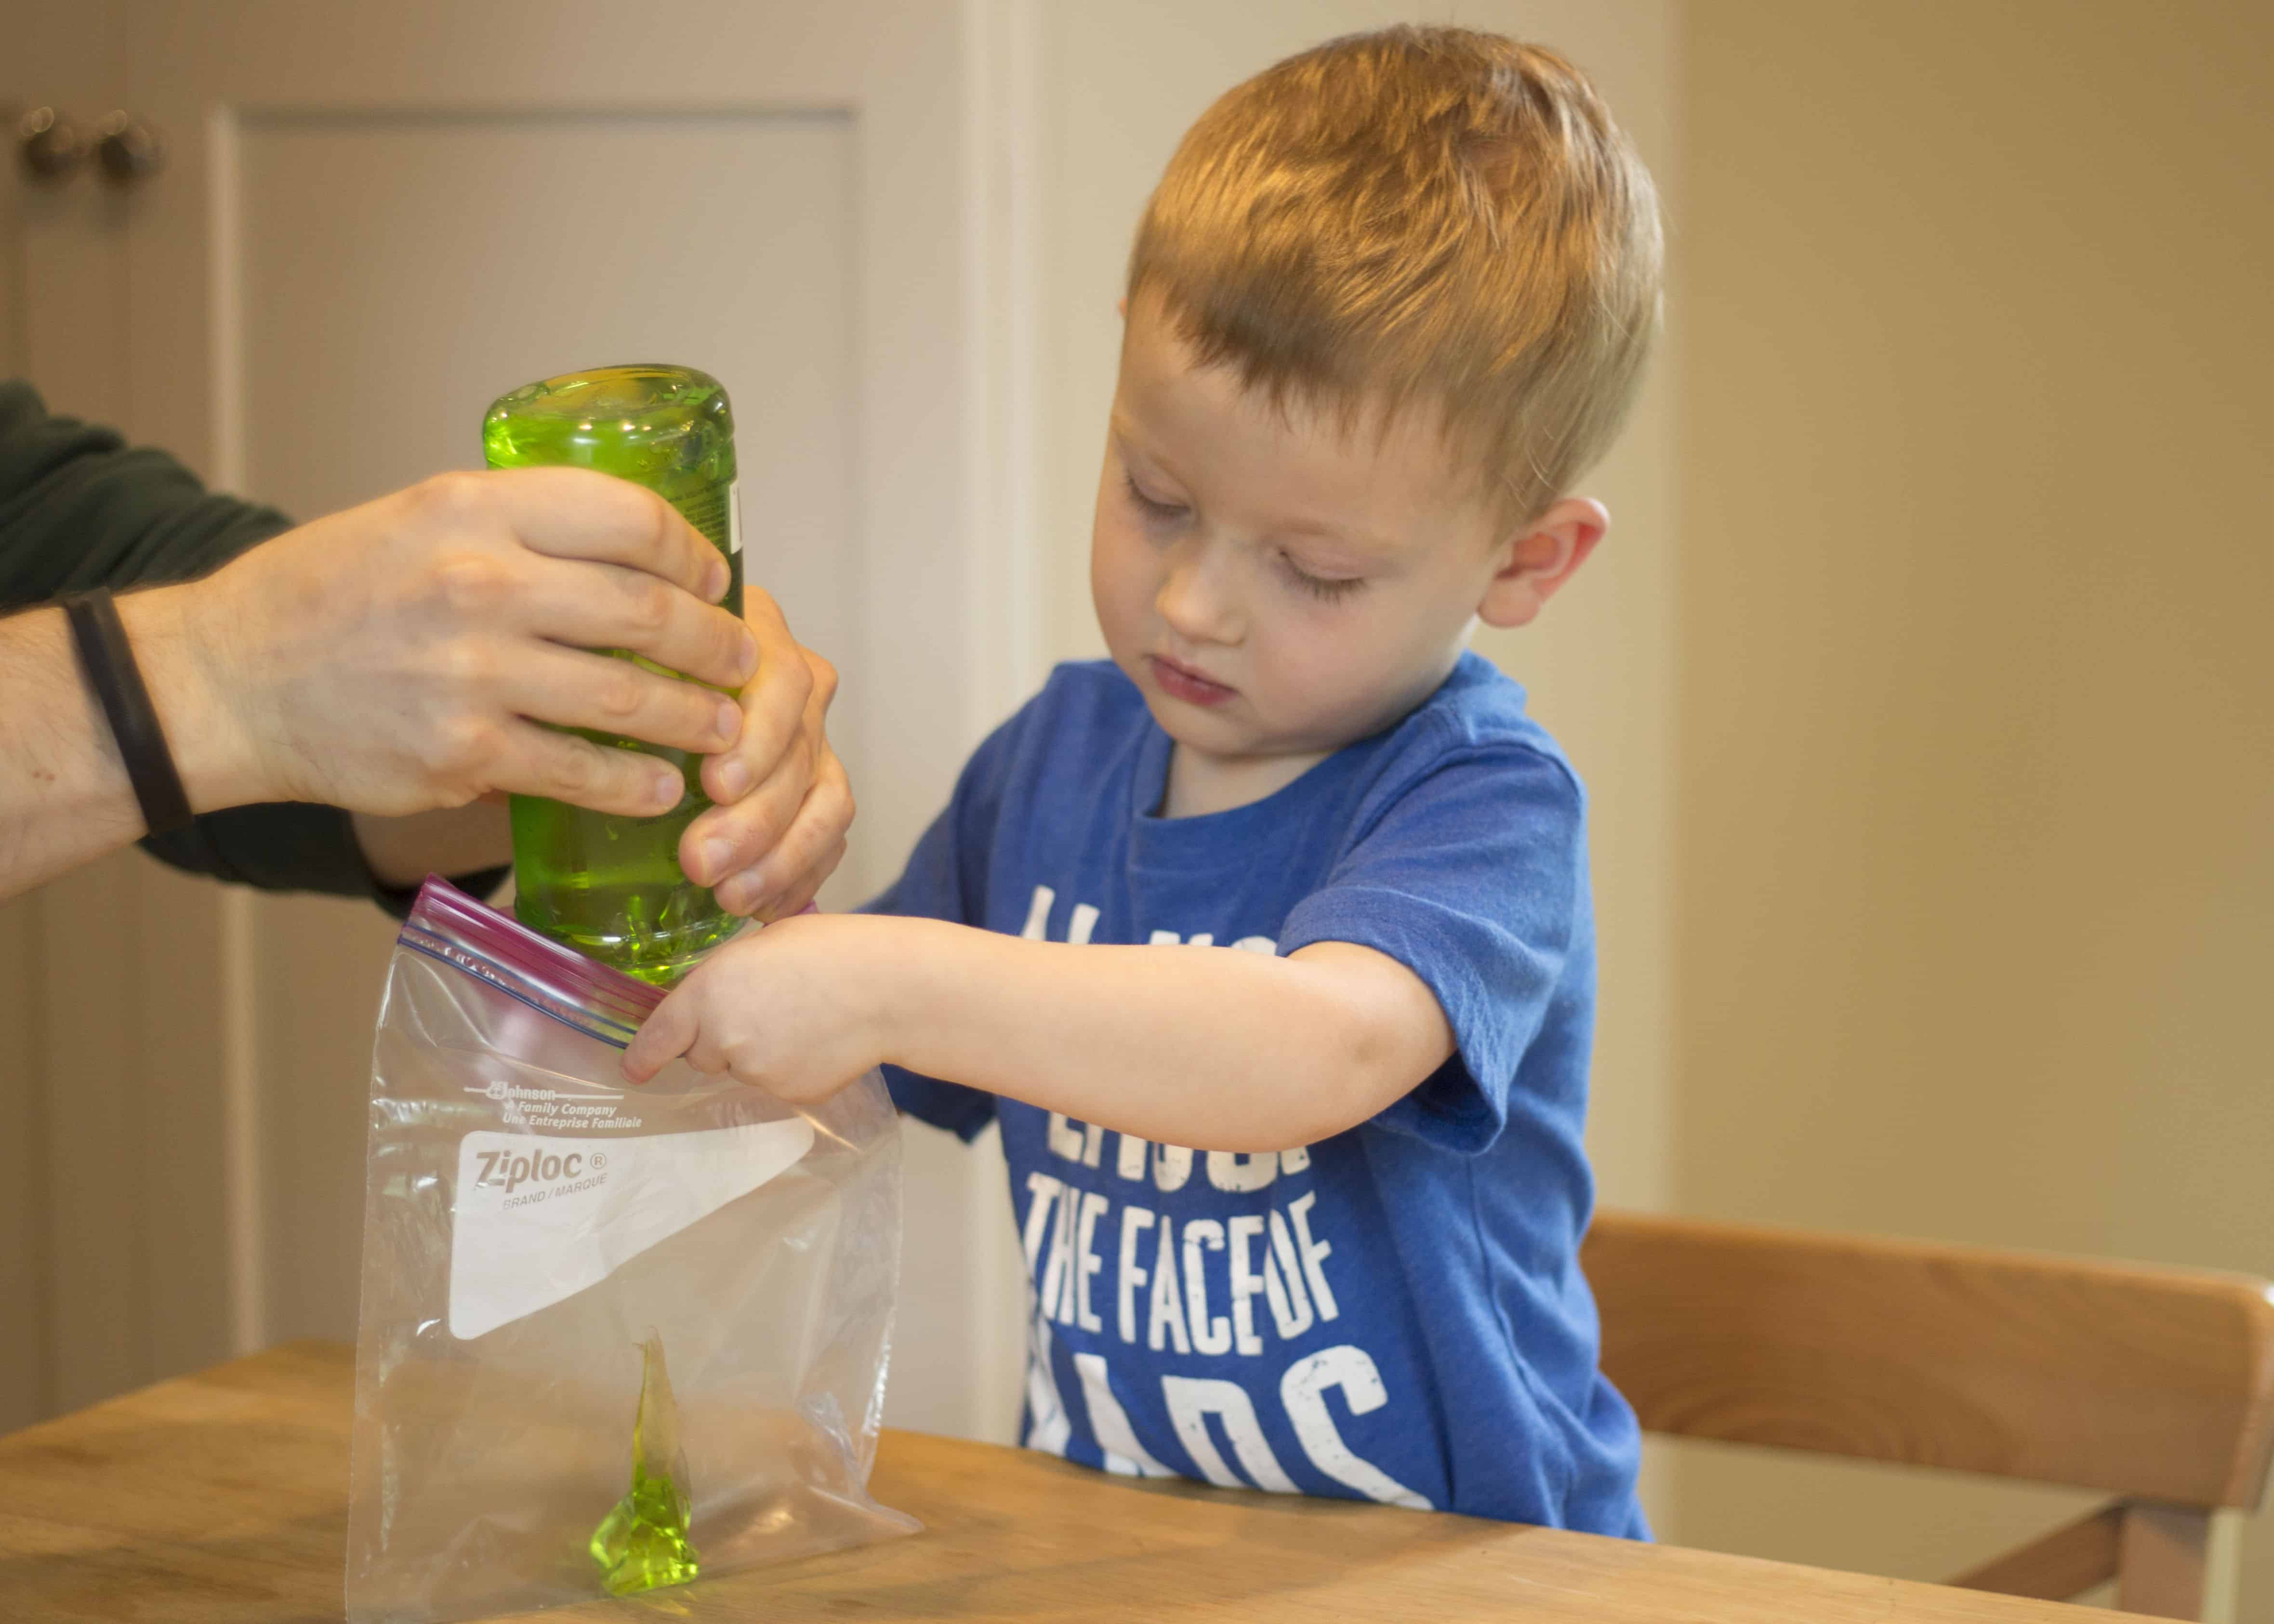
706	1056
662	1039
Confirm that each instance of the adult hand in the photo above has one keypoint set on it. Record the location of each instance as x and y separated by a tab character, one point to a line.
784	802
778	832
399	657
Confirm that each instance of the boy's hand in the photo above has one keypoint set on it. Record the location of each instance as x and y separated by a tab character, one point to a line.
788	1009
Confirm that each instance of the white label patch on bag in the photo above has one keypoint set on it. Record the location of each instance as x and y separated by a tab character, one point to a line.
538	1218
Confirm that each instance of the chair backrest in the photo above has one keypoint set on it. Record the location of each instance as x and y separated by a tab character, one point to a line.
2151	1382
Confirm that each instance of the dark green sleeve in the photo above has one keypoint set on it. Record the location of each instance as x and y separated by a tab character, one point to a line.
80	508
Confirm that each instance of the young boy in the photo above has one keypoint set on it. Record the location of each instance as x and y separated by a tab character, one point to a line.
1302	1209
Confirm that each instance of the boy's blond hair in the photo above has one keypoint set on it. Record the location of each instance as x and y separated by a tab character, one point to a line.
1419	216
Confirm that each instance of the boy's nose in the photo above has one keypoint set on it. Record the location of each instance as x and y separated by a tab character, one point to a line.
1192	599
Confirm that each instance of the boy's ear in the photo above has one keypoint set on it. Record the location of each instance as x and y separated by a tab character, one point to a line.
1540	558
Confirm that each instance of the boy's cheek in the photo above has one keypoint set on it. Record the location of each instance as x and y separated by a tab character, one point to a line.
1120	588
1316	670
1342	686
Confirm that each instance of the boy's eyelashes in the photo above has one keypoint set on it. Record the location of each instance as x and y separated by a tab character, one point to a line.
1151	507
1326	587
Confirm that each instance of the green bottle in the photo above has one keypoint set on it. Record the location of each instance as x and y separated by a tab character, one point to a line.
611	887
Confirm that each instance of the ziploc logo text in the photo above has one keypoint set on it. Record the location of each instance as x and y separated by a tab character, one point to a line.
515	1169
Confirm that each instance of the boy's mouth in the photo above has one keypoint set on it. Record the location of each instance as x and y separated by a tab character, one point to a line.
1183	682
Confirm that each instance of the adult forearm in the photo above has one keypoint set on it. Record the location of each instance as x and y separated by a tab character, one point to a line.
1215	1049
64	797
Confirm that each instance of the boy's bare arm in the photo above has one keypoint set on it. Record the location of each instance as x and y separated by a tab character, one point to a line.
1215	1049
1210	1048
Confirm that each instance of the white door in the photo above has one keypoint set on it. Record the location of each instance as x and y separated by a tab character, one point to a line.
373	220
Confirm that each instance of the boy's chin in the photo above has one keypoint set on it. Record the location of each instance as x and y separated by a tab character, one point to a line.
1184	724
1195	728
1222	739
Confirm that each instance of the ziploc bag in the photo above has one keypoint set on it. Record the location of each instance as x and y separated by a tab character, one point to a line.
610	1336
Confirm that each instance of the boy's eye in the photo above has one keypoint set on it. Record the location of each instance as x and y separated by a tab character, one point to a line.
1327	587
1152	508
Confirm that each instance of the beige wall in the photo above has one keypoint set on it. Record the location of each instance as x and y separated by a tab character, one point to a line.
1976	778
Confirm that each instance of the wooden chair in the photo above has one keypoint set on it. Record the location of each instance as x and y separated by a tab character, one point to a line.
2155	1384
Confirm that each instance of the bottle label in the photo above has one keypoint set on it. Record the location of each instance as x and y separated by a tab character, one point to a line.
734	518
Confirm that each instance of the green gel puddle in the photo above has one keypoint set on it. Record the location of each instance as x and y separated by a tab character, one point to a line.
642	1544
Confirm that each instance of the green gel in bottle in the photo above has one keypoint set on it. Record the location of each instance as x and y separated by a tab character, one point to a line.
643	1542
611	887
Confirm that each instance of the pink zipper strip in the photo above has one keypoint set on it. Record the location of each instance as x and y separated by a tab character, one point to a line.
470	935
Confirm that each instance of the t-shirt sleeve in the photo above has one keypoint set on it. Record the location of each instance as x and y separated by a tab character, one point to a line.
946	878
1473	878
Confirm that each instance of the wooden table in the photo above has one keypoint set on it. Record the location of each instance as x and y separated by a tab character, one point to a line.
222	1496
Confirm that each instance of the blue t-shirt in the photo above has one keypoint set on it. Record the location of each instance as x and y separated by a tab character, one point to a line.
1394	1313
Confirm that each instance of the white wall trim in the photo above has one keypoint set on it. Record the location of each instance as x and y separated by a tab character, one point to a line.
1003	643
244	1241
1003	632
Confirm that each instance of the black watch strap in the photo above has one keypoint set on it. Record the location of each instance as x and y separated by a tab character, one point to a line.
107	660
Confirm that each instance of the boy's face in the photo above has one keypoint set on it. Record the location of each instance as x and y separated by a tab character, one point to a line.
1277	588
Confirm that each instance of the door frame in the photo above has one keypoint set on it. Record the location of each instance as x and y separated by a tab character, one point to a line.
945	100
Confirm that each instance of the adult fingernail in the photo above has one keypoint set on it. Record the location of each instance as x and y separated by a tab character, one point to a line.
716	855
734	778
668	788
729	726
717	580
749	655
